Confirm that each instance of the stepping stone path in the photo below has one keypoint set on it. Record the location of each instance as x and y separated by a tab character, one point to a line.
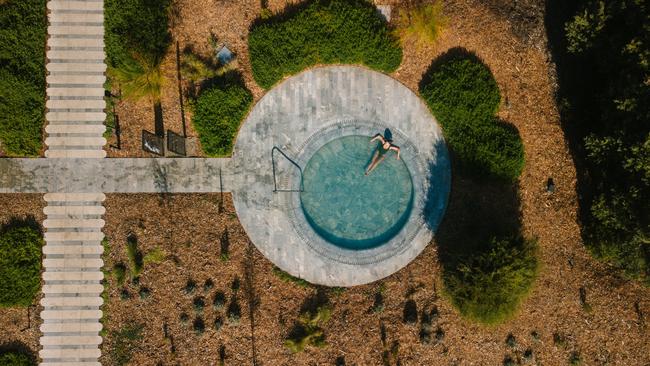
73	239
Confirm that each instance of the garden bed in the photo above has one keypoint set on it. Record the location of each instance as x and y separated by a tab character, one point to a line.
188	231
19	326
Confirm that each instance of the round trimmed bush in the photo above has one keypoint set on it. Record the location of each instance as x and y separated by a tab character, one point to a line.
20	265
218	111
463	95
321	32
488	287
16	358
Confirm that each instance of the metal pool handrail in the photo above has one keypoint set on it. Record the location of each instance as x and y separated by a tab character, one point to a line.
275	185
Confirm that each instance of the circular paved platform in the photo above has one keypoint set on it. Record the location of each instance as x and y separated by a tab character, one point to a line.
299	116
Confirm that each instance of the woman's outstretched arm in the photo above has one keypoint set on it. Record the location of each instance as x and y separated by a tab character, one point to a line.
396	148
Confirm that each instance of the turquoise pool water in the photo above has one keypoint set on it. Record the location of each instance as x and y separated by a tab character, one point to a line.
349	209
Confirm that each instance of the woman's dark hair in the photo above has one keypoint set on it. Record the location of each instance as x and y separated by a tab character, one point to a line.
388	135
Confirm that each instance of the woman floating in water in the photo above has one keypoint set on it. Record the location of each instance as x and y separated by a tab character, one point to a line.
385	146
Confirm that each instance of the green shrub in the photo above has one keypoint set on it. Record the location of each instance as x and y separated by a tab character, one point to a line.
488	287
23	27
136	28
464	97
16	358
20	265
321	32
218	111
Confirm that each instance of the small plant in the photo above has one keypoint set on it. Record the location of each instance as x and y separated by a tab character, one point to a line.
218	323
559	340
508	361
378	304
135	255
284	276
155	256
422	23
308	331
125	294
235	285
208	285
574	358
219	300
534	335
410	313
426	327
119	271
199	325
440	335
184	318
190	286
199	304
197	69
511	341
234	311
583	300
528	354
124	343
144	293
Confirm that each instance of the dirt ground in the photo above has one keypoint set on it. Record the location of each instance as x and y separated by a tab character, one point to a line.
188	228
20	326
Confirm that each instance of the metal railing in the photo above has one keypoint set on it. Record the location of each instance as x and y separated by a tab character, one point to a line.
275	184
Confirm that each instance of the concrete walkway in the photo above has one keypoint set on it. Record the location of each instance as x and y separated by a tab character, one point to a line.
169	175
75	124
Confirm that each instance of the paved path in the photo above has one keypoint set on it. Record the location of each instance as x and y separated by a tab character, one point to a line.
75	124
172	175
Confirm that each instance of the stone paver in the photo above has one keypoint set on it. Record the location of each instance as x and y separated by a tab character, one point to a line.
75	125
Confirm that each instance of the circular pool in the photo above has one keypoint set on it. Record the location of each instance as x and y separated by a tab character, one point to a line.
348	208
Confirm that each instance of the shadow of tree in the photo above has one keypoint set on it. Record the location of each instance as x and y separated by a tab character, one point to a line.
19	347
18	222
487	266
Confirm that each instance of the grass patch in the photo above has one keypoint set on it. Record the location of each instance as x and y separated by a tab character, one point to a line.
308	331
20	265
321	32
464	97
155	256
124	343
219	109
421	23
23	27
286	277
